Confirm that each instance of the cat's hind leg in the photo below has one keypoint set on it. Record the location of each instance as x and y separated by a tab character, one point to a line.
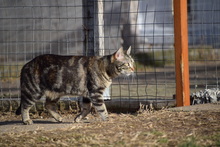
85	109
98	103
25	114
25	106
51	106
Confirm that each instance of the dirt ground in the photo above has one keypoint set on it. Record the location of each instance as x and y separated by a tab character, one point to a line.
197	125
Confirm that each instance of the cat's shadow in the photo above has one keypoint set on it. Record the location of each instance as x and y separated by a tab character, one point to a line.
18	122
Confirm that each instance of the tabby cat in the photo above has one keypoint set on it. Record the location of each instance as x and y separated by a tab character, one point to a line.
53	76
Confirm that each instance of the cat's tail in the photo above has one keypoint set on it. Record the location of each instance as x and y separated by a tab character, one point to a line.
18	111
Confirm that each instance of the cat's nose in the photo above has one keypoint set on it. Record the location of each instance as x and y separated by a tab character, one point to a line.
132	69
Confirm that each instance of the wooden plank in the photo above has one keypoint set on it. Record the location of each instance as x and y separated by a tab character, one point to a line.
181	53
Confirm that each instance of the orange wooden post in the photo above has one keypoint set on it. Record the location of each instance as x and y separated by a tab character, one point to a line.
181	53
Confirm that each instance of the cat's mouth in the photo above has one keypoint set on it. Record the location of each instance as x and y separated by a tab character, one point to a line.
128	73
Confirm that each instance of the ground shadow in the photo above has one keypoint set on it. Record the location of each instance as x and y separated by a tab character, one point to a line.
18	122
10	122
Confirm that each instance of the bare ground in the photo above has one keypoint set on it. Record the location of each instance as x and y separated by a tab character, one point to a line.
192	126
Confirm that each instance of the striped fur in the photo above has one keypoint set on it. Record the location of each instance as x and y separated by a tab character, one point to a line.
53	76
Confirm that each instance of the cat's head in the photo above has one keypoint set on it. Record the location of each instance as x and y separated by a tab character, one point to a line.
123	62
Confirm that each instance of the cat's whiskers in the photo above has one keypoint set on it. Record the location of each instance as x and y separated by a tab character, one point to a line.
129	77
133	76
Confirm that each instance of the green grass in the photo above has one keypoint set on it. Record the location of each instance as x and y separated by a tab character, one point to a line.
203	53
189	142
214	140
10	72
161	58
142	90
163	140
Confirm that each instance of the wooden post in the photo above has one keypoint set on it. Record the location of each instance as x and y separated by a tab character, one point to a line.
88	25
94	31
181	53
99	29
99	45
93	23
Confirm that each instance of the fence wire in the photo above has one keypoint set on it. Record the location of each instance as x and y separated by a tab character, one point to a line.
204	37
32	28
148	27
29	28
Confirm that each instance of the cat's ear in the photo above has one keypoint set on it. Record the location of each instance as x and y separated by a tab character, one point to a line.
119	54
128	51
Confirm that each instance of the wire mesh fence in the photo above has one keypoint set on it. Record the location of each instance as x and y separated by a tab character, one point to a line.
32	28
204	37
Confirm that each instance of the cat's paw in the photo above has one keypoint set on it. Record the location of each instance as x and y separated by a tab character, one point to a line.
105	118
59	119
28	122
78	119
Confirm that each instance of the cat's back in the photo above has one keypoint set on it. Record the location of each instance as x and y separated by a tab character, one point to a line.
47	60
50	59
43	63
56	72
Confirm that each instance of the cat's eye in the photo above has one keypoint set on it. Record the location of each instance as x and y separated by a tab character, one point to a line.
127	64
130	66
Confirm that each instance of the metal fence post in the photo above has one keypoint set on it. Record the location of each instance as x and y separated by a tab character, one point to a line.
181	53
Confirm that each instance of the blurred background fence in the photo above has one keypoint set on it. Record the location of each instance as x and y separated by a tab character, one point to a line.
29	28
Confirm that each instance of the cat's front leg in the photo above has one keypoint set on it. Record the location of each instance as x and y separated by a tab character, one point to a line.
51	107
85	109
98	103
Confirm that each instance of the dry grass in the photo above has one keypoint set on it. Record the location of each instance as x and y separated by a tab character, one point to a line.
159	128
